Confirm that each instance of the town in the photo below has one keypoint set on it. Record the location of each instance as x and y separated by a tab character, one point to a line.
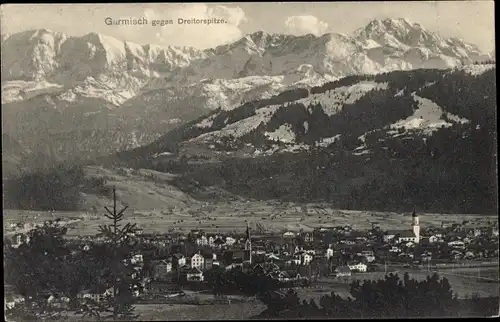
169	265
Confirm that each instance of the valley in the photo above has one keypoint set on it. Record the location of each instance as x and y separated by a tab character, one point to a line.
158	208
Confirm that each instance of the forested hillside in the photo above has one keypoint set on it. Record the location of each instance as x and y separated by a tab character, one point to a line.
446	168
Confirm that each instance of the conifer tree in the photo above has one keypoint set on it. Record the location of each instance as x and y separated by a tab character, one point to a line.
120	275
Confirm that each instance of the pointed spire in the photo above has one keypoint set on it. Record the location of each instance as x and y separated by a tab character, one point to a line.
414	212
248	232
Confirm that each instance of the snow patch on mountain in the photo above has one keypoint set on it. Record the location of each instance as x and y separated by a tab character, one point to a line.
206	122
476	69
242	127
428	117
324	142
283	134
19	90
228	94
332	101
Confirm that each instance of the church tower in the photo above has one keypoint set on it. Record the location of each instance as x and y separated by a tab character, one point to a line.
248	243
415	225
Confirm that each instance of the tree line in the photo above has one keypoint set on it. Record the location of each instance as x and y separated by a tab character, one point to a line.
59	188
389	297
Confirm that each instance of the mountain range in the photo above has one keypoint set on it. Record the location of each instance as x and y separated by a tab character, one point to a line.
68	98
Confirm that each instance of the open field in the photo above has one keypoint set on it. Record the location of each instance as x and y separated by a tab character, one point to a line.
228	217
157	207
161	312
181	312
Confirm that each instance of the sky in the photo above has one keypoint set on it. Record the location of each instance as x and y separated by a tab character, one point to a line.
472	21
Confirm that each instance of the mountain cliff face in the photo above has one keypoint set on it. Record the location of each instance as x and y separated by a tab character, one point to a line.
94	94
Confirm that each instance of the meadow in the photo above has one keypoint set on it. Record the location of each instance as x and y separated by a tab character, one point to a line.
157	206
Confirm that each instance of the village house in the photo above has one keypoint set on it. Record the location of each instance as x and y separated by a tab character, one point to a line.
302	258
97	294
202	240
211	239
284	276
456	244
219	243
409	244
198	261
161	268
433	239
208	260
342	271
137	259
178	260
357	267
367	252
19	239
288	234
308	237
395	249
388	236
194	275
230	241
329	252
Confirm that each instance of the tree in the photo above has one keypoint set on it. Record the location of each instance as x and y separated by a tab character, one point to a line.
119	274
35	270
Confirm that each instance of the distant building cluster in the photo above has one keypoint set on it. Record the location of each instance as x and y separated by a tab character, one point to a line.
163	262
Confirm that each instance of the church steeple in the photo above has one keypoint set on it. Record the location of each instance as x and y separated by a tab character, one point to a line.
248	243
415	224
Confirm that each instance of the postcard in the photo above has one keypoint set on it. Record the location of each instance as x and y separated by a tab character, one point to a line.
233	161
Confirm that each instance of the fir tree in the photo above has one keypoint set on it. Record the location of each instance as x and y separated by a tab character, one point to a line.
120	275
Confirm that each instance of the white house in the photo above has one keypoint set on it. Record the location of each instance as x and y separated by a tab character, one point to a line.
342	271
395	249
95	296
359	267
370	258
329	252
433	239
304	258
389	236
288	234
410	244
181	259
20	239
137	259
202	241
197	261
456	244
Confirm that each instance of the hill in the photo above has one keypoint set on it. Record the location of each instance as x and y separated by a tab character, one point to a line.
385	142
